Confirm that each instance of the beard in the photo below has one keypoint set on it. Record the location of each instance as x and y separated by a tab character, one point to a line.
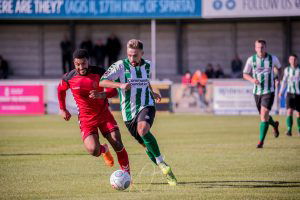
82	72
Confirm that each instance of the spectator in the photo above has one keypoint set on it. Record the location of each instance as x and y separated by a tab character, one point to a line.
186	81
87	44
185	89
236	67
99	53
209	71
113	46
186	78
4	69
219	73
199	81
66	50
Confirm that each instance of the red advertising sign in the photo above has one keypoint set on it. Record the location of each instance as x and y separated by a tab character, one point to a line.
21	100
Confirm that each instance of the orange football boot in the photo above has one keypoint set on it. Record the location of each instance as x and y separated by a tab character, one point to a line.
108	158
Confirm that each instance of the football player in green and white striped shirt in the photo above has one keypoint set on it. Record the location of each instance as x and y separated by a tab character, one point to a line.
131	77
264	67
291	79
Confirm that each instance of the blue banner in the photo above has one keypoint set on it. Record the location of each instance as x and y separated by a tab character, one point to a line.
99	9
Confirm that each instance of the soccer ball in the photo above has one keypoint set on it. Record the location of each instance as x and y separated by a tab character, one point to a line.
120	180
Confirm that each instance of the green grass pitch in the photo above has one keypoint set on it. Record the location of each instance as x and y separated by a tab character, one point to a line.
213	157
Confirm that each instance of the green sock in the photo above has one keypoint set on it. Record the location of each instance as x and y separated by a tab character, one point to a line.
151	144
289	122
298	123
271	121
151	156
263	129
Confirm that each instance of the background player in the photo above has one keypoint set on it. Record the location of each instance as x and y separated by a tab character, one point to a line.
93	113
291	79
132	78
264	67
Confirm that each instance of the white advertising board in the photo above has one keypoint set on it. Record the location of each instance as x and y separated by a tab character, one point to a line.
236	98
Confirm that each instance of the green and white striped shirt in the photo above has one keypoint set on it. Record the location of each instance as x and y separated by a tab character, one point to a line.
291	79
262	70
139	96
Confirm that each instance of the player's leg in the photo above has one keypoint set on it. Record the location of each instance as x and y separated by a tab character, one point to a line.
91	143
93	146
267	101
298	122
110	130
291	105
150	142
114	138
132	128
264	126
275	125
297	108
145	120
289	121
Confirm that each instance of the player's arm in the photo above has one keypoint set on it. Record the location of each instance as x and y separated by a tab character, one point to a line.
277	70
107	93
283	83
111	84
61	94
248	77
156	94
247	71
108	80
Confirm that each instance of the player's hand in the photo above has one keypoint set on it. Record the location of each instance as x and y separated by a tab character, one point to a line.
157	97
255	81
65	114
94	94
125	86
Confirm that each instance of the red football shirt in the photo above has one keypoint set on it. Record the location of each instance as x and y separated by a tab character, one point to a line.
89	109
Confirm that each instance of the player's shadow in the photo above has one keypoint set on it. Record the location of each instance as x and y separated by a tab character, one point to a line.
239	184
43	154
47	154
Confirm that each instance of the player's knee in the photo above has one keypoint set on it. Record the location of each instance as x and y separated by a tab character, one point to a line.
93	150
142	130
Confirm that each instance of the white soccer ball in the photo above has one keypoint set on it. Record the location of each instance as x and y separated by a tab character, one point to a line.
120	180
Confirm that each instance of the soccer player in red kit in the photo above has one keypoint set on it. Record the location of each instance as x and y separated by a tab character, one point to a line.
93	114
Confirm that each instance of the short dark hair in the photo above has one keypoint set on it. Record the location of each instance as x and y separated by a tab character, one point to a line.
294	55
262	41
80	54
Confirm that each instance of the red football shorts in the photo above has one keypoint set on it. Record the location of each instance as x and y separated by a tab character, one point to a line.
106	124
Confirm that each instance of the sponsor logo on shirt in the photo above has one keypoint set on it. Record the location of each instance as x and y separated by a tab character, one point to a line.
76	88
260	70
138	82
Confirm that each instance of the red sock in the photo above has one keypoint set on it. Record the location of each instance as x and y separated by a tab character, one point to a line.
123	160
